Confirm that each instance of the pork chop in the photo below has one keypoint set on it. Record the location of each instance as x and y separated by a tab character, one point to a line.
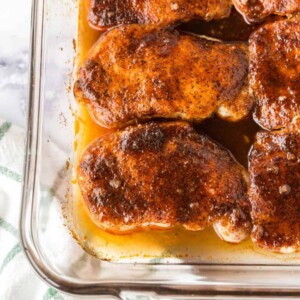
275	73
161	175
142	72
257	10
107	13
275	190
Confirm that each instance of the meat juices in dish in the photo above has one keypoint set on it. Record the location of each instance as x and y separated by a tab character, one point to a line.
108	13
159	175
275	73
275	190
257	10
141	72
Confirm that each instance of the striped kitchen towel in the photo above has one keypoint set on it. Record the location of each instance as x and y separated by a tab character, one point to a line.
17	279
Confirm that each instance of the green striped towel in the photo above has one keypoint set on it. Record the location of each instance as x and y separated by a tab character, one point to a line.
17	279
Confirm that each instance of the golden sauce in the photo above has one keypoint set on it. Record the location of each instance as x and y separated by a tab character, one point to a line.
148	246
233	28
237	137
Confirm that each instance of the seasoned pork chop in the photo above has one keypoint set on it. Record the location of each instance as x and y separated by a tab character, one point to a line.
139	72
275	73
257	10
275	190
159	175
106	13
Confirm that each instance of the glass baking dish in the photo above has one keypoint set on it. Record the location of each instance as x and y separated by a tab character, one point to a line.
47	242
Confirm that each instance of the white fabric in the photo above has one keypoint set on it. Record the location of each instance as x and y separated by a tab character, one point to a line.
17	278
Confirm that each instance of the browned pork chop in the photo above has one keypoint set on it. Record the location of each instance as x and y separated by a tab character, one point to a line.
275	190
159	175
106	13
141	72
275	73
257	10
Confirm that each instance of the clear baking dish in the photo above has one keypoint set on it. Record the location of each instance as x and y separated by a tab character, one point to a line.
46	239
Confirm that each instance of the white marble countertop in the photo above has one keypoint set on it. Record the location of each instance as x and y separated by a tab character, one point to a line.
14	36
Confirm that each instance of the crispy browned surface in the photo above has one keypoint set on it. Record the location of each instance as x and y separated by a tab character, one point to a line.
159	175
275	190
140	72
257	10
275	73
106	13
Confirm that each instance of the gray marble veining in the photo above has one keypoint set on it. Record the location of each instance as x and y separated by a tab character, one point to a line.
14	37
